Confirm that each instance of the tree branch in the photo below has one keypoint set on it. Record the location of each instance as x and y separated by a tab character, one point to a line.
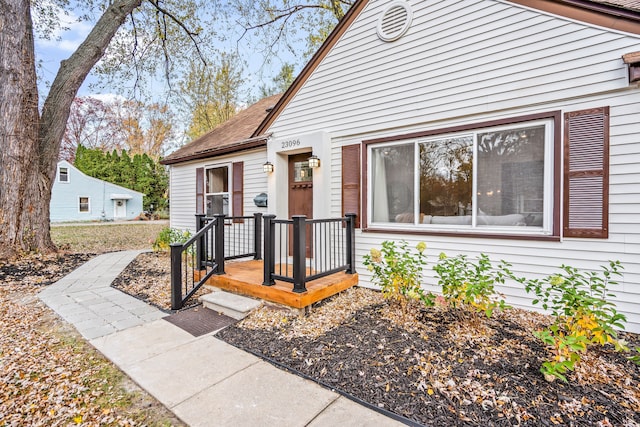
192	35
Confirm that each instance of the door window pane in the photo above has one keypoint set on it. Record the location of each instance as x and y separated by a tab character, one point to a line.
302	172
392	178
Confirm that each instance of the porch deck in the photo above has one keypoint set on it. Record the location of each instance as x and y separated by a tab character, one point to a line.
246	277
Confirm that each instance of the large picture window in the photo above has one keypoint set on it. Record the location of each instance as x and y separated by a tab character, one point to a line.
498	179
217	190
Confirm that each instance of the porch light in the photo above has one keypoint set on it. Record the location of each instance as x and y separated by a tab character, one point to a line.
267	167
314	161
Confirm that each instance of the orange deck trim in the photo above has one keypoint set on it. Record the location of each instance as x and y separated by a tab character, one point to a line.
245	278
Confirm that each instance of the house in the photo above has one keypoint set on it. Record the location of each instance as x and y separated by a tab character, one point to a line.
221	171
78	197
509	128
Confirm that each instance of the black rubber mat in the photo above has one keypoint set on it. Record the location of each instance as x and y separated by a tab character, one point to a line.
199	320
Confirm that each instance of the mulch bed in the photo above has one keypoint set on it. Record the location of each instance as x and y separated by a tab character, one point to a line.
41	270
148	277
444	367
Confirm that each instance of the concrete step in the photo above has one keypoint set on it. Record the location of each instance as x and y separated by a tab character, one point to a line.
232	305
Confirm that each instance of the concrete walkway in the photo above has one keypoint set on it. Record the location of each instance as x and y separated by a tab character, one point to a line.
203	380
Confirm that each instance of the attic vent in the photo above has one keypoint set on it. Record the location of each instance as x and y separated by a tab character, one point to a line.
394	22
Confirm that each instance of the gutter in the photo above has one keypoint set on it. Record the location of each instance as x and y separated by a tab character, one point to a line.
247	144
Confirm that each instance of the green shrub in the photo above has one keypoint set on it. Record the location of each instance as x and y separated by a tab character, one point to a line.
167	236
582	315
398	271
466	284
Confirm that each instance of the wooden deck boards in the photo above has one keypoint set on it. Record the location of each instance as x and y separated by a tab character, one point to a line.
246	277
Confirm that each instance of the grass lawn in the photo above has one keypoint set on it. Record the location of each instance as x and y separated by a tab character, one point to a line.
99	238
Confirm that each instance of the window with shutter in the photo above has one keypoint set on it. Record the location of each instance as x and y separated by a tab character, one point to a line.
238	185
200	190
490	179
351	181
586	173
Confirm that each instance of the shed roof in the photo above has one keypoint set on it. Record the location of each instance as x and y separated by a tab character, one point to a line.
233	135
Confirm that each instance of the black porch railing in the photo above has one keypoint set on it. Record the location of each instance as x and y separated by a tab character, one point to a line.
304	250
217	239
300	250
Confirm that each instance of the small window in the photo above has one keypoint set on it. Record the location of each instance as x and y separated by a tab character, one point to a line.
83	204
217	191
63	175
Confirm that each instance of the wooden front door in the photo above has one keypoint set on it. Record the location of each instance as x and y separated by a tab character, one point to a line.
301	193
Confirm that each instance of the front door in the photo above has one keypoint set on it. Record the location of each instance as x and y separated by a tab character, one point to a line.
301	193
120	208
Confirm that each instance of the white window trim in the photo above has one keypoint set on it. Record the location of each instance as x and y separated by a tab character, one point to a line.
88	204
547	225
229	167
68	175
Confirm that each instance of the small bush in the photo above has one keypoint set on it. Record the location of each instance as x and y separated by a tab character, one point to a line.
398	271
582	315
466	284
167	236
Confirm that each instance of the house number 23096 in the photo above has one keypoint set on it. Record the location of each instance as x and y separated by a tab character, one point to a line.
290	143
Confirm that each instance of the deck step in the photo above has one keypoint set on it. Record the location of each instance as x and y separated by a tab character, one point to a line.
232	305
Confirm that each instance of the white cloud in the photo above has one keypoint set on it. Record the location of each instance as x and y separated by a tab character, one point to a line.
68	35
107	97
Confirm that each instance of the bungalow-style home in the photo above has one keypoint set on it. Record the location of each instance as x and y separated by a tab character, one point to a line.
78	197
510	128
222	171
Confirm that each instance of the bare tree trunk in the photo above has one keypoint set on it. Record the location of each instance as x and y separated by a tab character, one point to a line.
29	145
23	218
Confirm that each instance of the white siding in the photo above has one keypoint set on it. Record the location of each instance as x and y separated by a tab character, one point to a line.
468	62
459	58
182	187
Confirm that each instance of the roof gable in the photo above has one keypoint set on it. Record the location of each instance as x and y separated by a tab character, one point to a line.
235	134
622	15
87	178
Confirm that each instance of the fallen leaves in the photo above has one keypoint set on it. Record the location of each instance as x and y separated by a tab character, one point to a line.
48	374
437	368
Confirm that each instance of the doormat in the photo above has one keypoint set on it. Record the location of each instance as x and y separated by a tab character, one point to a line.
199	320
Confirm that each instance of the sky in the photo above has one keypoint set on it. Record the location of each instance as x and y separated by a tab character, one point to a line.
49	53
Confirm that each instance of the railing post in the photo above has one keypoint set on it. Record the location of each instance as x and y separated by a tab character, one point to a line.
219	242
201	243
299	252
351	243
257	235
176	276
269	250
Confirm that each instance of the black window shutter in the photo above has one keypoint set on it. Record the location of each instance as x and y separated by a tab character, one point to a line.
351	181
586	173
